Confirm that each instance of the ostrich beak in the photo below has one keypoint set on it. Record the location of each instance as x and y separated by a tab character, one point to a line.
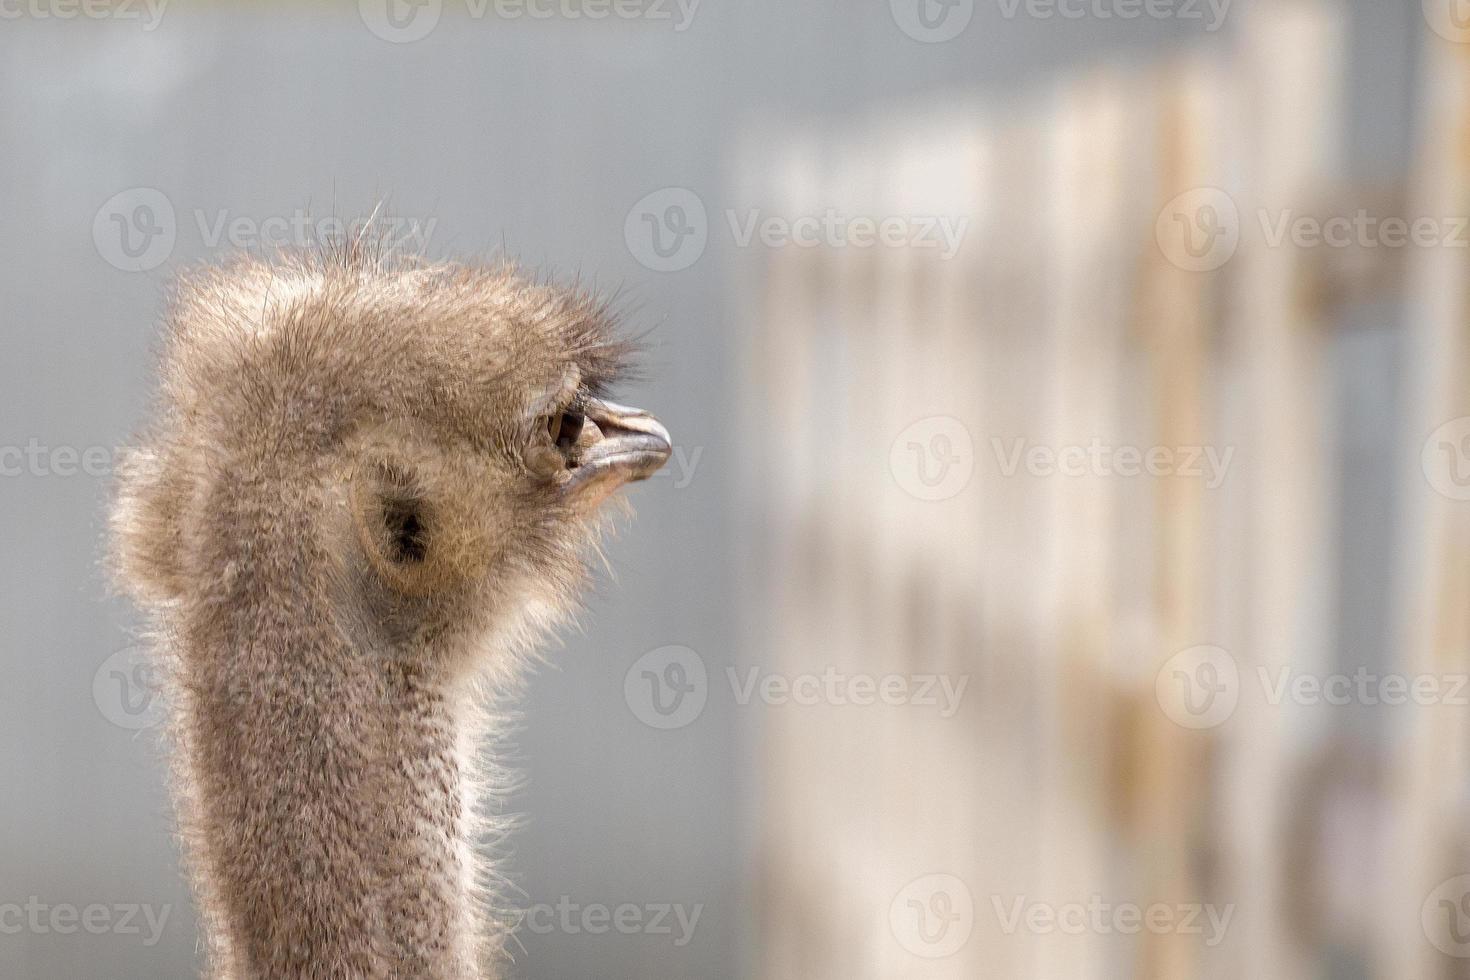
618	445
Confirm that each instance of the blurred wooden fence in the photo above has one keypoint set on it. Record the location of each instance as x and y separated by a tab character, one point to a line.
1115	753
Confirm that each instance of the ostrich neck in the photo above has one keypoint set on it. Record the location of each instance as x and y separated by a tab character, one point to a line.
322	790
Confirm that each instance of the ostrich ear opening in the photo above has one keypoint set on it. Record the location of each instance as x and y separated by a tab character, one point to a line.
397	526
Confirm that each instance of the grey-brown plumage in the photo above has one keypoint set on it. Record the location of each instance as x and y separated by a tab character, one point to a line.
369	487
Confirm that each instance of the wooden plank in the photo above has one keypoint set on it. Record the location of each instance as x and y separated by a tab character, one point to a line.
786	364
1291	62
1010	380
1174	324
1428	792
1087	210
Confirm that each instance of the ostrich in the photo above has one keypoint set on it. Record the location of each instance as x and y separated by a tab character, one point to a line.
369	487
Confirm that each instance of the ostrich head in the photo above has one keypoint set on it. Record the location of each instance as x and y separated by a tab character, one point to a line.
367	487
451	422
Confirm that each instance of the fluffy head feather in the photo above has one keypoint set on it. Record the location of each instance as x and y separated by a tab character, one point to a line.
416	390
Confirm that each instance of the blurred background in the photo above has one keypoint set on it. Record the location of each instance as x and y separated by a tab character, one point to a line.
1064	567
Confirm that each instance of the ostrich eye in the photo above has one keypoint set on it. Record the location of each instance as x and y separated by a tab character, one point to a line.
566	428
